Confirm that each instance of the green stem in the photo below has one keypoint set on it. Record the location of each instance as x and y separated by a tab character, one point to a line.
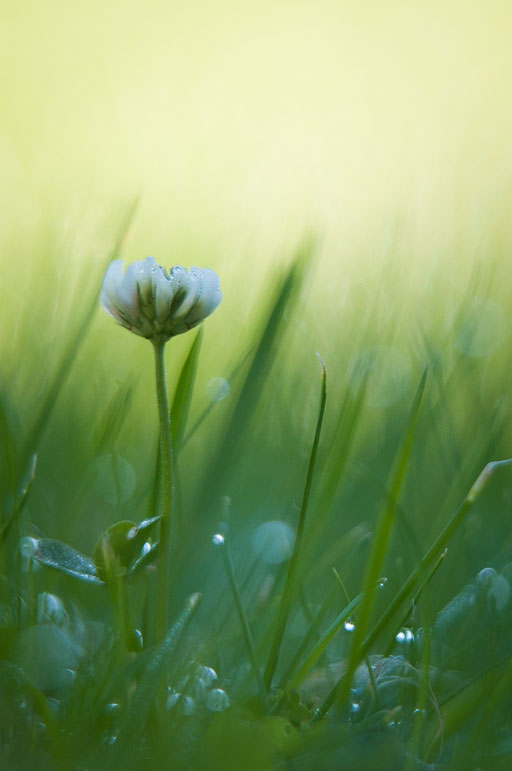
167	494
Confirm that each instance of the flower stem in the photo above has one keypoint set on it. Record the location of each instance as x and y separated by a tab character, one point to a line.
162	600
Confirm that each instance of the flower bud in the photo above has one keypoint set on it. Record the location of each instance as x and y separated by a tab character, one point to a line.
157	305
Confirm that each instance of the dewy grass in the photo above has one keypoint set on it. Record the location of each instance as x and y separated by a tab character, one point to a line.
103	660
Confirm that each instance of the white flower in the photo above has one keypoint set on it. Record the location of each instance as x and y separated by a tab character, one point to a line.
153	304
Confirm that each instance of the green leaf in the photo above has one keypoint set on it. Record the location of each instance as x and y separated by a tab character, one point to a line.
183	395
123	541
60	556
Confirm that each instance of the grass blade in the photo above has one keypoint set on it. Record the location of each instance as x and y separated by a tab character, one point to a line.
289	587
427	560
183	395
154	676
379	548
64	367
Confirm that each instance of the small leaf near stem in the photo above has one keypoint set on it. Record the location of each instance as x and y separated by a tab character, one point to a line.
162	599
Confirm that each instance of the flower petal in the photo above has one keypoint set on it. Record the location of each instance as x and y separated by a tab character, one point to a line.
108	295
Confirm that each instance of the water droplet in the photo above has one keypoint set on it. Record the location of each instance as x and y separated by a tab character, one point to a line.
218	539
217	389
172	700
485	578
68	675
405	636
187	705
138	639
28	547
355	706
207	674
112	709
217	700
145	548
50	608
349	626
273	541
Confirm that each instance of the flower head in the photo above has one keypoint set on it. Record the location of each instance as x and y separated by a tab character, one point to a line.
157	305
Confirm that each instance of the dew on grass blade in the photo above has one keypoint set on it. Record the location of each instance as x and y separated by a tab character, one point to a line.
273	542
217	700
207	674
218	539
349	626
217	389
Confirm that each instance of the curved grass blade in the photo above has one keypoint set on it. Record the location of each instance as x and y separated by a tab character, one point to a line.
291	577
324	641
153	677
427	560
20	500
379	549
337	458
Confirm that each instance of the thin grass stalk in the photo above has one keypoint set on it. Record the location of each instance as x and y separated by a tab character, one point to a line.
163	567
380	544
289	587
246	629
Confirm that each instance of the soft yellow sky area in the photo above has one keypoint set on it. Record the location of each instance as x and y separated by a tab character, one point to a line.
243	124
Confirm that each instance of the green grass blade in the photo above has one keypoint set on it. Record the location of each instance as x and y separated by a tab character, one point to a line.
427	560
180	406
222	541
68	357
308	637
348	420
258	372
291	578
19	500
380	545
324	641
154	676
